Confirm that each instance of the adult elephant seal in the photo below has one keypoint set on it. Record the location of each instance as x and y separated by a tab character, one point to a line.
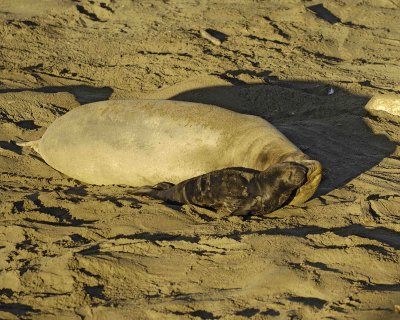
145	142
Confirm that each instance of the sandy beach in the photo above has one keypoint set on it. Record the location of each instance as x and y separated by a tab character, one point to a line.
70	250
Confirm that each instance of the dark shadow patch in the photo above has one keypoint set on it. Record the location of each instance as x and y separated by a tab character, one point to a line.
6	292
91	250
327	59
32	68
27	245
173	206
134	203
158	237
383	197
339	309
253	37
300	231
381	234
105	6
83	93
27	124
76	240
324	14
79	191
296	266
23	23
382	287
321	266
17	309
277	29
314	89
372	212
18	206
217	34
202	314
204	216
88	273
270	312
25	265
331	247
90	15
248	313
232	74
79	239
74	199
11	146
374	248
61	214
165	53
354	25
30	24
95	292
312	302
111	199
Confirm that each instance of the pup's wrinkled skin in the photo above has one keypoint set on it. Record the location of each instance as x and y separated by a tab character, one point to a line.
237	191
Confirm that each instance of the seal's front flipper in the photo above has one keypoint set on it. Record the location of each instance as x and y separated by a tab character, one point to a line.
152	191
163	186
271	189
246	206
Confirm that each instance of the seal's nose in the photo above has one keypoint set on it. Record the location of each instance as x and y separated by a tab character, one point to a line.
313	178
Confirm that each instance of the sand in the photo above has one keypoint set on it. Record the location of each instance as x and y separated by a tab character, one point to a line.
70	250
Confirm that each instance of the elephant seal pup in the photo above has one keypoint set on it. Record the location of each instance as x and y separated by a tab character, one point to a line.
236	191
145	142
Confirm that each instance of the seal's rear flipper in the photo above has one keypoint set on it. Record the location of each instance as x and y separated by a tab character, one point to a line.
31	144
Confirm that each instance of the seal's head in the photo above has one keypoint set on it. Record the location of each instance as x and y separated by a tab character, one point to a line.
314	175
274	187
288	182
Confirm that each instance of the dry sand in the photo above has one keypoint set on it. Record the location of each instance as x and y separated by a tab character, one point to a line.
69	250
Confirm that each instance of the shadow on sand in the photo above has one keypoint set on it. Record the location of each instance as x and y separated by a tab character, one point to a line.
326	122
83	93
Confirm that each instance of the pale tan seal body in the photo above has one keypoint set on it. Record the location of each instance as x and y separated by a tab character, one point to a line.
142	142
